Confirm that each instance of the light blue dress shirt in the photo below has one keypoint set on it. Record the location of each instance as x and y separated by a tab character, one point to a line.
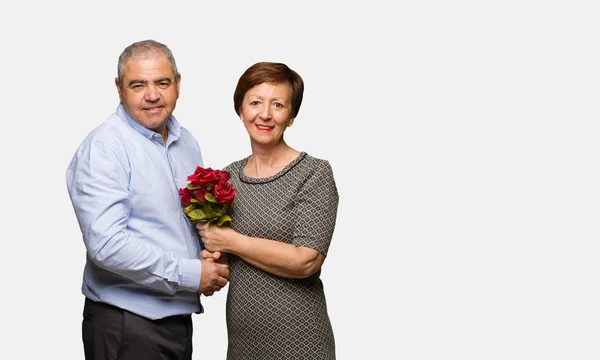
142	252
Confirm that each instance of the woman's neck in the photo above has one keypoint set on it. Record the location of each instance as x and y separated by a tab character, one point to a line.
268	162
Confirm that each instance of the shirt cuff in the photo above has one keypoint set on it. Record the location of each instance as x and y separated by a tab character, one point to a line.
191	271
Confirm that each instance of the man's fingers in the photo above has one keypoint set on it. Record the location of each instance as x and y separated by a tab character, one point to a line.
214	276
221	282
223	270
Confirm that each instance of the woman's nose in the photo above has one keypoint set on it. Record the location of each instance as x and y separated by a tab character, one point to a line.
265	113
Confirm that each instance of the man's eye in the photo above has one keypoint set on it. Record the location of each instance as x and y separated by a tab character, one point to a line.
164	85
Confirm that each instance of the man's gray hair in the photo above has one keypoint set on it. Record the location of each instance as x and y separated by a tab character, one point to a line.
142	50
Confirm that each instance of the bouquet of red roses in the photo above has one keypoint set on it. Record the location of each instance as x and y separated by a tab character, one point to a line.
208	196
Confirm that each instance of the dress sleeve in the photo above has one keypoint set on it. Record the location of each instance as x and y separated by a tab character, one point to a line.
315	209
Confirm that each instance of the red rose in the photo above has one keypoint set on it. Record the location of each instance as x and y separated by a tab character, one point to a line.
186	196
224	192
225	176
199	194
204	176
208	196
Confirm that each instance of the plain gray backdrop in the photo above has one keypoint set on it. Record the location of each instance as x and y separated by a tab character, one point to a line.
463	137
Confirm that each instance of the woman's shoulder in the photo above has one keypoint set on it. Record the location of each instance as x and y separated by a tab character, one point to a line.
316	164
236	165
318	176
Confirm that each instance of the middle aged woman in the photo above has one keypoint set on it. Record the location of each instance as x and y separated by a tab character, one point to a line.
283	222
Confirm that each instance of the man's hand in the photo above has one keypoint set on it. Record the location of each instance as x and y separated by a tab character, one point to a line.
217	256
215	275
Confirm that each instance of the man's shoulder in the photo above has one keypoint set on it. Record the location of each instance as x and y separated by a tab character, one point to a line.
186	134
109	136
186	140
110	131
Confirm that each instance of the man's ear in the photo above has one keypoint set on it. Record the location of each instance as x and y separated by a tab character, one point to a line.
178	83
118	85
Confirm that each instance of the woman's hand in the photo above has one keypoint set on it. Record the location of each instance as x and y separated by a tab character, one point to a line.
215	238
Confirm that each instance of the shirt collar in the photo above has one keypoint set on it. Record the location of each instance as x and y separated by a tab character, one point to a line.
173	125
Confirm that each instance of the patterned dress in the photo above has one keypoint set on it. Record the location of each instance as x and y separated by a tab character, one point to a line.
268	316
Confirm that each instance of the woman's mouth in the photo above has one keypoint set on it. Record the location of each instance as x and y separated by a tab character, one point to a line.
264	129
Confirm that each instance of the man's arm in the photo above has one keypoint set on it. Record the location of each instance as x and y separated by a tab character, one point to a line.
98	183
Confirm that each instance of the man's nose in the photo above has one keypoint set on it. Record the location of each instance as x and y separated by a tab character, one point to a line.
152	93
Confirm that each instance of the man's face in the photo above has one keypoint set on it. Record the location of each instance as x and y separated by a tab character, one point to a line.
149	92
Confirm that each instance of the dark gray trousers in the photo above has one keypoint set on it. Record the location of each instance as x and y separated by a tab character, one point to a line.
111	333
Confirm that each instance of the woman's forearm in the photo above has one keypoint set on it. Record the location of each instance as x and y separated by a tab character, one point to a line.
276	257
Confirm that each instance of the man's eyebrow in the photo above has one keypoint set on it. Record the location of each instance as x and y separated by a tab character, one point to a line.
135	82
163	79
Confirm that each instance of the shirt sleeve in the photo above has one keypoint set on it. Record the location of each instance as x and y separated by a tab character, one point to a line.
316	209
98	184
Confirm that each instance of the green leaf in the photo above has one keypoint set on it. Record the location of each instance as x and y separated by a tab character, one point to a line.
189	208
196	215
220	209
208	209
223	220
210	197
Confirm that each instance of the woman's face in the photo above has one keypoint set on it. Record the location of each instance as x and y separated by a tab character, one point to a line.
266	112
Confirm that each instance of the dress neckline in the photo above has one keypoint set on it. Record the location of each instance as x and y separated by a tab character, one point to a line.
252	180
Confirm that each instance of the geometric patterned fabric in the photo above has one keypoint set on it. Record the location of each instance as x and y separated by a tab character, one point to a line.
271	317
